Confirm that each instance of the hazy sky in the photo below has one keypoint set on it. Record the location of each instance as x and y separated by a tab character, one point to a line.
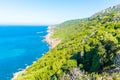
36	12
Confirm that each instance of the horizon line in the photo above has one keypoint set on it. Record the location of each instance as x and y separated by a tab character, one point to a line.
22	25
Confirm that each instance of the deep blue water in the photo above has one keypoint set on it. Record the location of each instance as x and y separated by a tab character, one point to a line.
19	47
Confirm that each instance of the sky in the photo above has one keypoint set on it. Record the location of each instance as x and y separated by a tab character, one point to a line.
47	12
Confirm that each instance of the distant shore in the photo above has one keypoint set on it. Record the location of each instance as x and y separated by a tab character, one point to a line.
48	38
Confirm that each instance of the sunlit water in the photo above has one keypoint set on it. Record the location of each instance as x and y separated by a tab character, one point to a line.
19	47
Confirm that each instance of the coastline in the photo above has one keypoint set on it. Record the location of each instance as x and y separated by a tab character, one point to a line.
48	38
52	43
19	73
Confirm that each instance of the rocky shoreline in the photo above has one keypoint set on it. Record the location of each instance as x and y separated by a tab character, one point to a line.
52	43
15	75
48	38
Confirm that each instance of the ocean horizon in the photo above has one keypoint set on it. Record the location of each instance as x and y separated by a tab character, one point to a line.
20	46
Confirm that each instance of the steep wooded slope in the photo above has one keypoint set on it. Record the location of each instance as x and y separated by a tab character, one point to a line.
88	47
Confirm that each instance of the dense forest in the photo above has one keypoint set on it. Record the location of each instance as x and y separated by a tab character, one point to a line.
89	50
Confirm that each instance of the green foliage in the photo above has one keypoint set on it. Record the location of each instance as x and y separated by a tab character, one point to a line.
69	65
90	44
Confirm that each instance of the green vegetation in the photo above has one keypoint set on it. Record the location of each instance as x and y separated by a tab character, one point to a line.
89	45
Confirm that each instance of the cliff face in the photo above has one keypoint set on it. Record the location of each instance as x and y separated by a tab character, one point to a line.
87	46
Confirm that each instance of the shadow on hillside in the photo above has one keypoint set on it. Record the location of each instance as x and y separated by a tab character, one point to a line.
97	59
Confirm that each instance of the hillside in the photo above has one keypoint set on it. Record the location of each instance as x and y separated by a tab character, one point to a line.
88	50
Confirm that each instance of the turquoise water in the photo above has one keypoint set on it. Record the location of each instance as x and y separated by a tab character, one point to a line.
19	47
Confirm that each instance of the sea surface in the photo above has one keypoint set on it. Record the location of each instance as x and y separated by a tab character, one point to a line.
19	47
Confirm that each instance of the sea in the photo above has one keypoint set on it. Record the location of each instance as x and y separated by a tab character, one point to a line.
20	46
